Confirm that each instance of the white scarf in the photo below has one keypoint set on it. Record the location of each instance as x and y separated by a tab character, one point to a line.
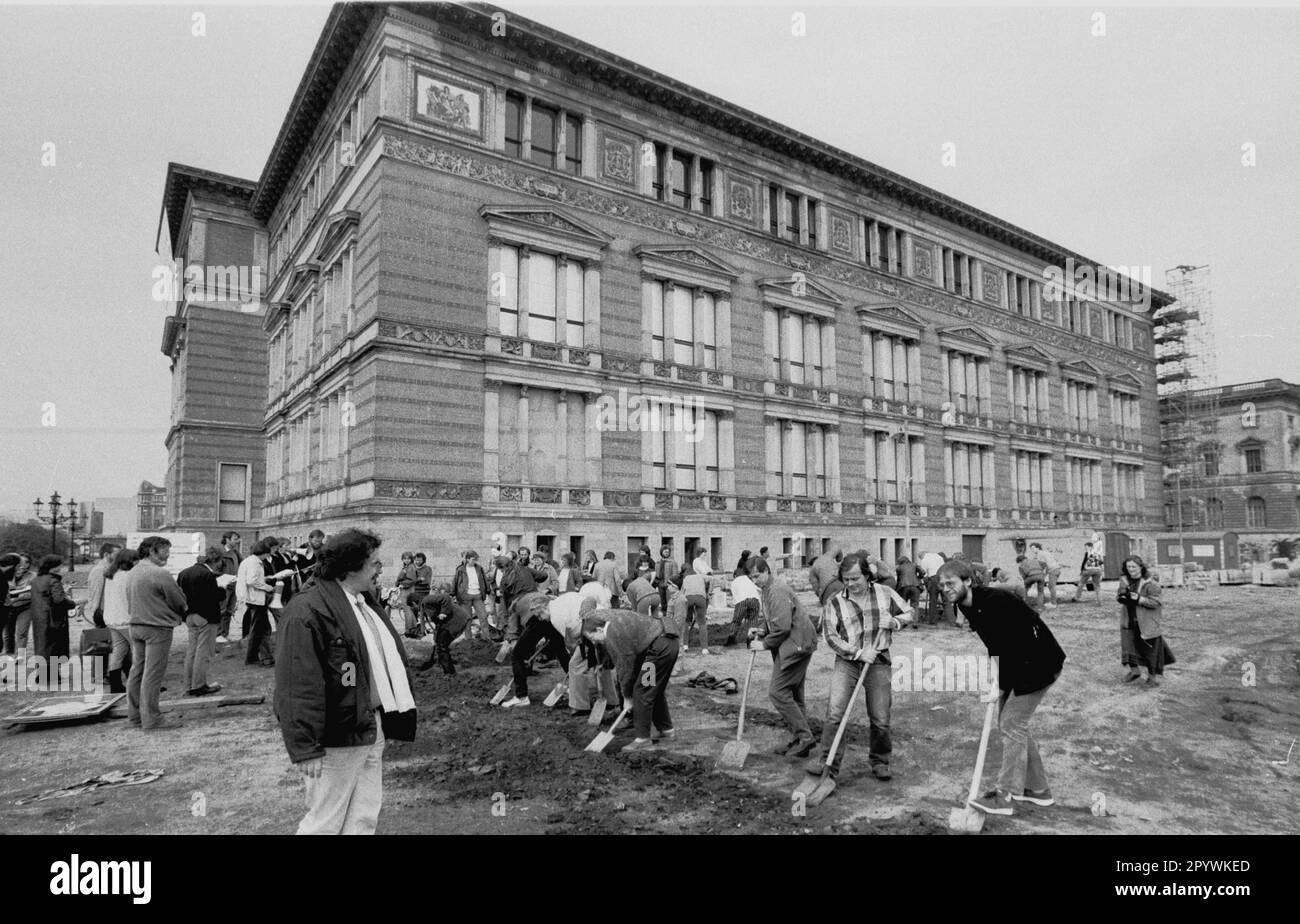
385	663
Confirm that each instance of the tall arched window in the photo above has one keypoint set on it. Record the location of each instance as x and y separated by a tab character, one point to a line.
1256	513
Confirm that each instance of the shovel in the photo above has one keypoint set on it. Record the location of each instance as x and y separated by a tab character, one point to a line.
597	712
968	820
500	695
601	741
816	790
557	693
504	652
734	752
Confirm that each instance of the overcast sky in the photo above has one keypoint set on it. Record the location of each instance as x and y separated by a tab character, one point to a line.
1127	147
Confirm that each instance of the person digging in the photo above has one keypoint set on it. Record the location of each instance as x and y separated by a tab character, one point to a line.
1029	661
530	623
644	651
790	635
449	620
858	623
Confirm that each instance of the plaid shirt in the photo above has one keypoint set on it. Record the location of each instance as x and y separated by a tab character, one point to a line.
1092	561
844	623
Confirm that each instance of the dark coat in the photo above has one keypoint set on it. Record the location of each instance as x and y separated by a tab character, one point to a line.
50	605
790	632
460	582
1029	657
202	595
319	702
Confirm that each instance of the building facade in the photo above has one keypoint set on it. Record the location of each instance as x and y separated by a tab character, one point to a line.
1234	459
521	290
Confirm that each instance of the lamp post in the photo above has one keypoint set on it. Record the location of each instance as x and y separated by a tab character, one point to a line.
54	518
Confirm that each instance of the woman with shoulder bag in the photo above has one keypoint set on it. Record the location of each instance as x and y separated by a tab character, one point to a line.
50	608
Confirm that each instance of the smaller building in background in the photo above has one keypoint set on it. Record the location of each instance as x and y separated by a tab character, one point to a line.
1232	461
151	502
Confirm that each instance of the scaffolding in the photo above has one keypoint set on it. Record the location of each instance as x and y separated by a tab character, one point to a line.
1186	381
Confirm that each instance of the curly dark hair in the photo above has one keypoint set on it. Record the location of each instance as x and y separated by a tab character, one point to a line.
1123	567
124	560
49	563
346	553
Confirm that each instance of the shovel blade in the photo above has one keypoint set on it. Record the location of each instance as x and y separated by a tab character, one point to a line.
503	652
600	742
733	755
965	821
500	696
597	712
556	694
824	788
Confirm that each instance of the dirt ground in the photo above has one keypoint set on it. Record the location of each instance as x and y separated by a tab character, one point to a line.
1196	755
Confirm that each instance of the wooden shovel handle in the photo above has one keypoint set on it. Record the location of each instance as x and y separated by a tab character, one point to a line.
984	746
626	709
740	726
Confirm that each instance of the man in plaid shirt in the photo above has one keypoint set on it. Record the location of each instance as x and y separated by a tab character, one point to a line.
858	623
1090	572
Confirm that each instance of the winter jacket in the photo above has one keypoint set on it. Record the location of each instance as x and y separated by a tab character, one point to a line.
516	581
322	676
824	570
524	610
50	604
460	581
627	638
790	631
1149	608
202	595
1029	657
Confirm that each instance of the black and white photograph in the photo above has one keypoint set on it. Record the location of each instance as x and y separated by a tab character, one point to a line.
651	419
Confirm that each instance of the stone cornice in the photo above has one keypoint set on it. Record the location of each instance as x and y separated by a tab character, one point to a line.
506	174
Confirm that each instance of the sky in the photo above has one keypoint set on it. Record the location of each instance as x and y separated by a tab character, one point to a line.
1159	137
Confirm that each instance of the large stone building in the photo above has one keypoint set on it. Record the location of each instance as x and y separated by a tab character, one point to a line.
482	242
1235	454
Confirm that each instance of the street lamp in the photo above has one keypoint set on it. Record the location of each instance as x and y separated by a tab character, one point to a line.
55	517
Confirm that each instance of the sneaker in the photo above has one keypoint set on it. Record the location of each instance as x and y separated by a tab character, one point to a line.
516	701
1131	676
577	712
704	651
994	802
205	690
881	772
666	735
1036	796
685	648
640	744
221	640
1151	682
801	748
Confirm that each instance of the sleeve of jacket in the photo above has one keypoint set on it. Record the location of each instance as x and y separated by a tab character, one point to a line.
95	602
300	684
899	608
780	619
175	598
815	580
1150	597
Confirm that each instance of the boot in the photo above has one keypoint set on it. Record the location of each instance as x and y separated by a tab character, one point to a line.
445	662
115	684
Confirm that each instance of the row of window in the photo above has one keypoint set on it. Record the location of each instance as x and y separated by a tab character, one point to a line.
1256	513
316	324
310	450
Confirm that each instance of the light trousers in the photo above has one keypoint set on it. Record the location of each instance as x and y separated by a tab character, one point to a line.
347	796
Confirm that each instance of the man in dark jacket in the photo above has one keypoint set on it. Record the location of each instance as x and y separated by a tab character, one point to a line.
1029	661
789	633
203	599
516	580
230	559
341	687
469	586
530	623
643	648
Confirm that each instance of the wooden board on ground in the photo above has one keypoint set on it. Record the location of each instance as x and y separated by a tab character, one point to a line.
188	703
53	710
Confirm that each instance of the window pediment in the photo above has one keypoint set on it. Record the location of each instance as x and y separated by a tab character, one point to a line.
967	340
337	230
1081	369
691	266
1127	382
890	318
798	293
546	229
1029	356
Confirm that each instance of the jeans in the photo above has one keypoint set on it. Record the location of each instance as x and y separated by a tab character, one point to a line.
1051	583
121	653
934	598
879	698
697	611
1022	768
8	617
349	793
25	627
257	637
198	652
1035	584
786	693
150	646
1089	576
227	609
583	679
535	631
649	702
647	605
475	603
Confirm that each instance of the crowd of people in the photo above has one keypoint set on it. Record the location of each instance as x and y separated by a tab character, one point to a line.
320	616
